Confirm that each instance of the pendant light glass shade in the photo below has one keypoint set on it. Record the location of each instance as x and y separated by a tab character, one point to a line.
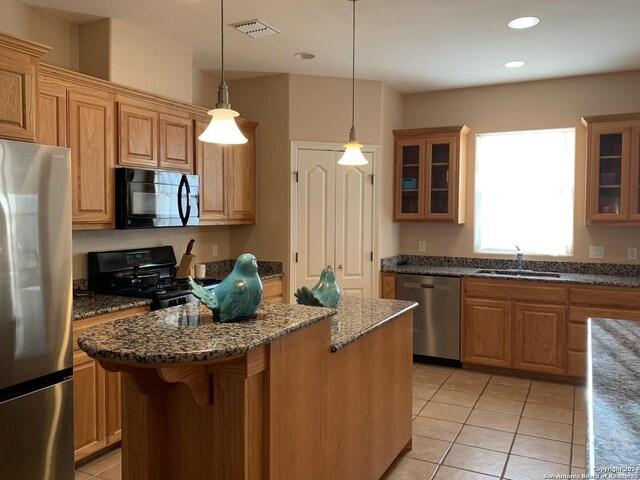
352	153
223	128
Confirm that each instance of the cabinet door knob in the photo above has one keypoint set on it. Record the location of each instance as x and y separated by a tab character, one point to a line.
340	266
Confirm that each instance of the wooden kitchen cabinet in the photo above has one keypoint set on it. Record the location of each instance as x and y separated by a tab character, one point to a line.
19	61
272	290
486	332
227	177
613	169
88	405
154	137
96	393
388	285
539	338
92	143
52	115
429	174
514	324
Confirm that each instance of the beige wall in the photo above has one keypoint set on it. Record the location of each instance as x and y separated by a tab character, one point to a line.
532	105
95	48
205	237
321	109
42	27
266	100
205	88
391	118
139	60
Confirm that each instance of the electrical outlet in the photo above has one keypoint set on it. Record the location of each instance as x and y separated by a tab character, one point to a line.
632	253
422	246
214	250
596	252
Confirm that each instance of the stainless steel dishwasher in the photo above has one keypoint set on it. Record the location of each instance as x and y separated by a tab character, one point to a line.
436	321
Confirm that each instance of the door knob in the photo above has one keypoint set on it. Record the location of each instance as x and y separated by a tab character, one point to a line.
340	267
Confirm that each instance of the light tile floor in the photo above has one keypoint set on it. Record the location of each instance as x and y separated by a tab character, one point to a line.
471	426
475	426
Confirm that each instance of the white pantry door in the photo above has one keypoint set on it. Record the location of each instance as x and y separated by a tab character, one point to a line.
334	221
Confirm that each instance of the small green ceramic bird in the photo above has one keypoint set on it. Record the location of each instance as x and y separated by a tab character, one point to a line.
238	296
325	293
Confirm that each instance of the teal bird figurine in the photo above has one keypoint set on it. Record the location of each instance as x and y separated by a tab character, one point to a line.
325	293
238	296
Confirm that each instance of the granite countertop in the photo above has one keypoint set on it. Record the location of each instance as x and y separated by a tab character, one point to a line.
94	305
359	316
613	406
187	333
581	278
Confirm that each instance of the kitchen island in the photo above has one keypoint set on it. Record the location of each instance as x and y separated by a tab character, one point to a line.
298	392
613	406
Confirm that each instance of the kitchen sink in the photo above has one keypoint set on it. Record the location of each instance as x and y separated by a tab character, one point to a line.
514	272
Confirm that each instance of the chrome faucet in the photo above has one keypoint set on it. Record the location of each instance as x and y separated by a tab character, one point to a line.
519	258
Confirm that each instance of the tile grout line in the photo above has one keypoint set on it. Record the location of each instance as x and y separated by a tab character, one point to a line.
441	463
513	441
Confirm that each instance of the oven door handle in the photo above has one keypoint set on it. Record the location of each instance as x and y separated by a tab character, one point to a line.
184	217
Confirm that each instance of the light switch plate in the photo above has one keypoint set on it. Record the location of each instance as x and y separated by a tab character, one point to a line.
596	252
422	246
632	253
214	250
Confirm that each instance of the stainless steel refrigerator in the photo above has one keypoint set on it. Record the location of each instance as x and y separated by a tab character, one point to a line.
36	386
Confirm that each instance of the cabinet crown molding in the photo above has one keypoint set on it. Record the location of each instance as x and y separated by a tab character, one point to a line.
23	46
617	117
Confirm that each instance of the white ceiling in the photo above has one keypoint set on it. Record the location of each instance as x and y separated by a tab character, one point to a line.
412	45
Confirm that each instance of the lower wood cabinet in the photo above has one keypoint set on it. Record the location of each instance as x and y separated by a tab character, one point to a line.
272	290
486	332
539	338
96	393
388	285
522	328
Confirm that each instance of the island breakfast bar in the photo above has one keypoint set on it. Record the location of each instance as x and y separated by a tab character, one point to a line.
298	392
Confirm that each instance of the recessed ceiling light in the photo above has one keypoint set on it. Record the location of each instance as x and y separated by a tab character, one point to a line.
523	22
304	56
514	64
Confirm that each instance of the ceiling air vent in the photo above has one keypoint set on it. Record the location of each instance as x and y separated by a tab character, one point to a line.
255	28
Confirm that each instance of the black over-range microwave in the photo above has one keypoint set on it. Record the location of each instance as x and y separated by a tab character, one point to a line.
153	198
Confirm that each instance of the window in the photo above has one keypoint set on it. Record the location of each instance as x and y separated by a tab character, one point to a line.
524	192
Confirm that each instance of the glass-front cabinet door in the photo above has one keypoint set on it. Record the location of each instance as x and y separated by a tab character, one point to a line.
409	177
440	169
634	186
613	169
429	174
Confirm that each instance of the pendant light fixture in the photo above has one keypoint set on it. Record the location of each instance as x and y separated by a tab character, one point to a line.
352	153
222	128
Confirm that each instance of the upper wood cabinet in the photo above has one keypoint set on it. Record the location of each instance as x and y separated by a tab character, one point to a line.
92	143
18	87
227	177
137	136
52	115
153	137
242	175
613	169
429	178
176	143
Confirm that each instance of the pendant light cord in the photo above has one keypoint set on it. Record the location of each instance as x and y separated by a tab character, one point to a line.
222	40
353	68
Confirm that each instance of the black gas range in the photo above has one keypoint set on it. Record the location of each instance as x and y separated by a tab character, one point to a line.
142	273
